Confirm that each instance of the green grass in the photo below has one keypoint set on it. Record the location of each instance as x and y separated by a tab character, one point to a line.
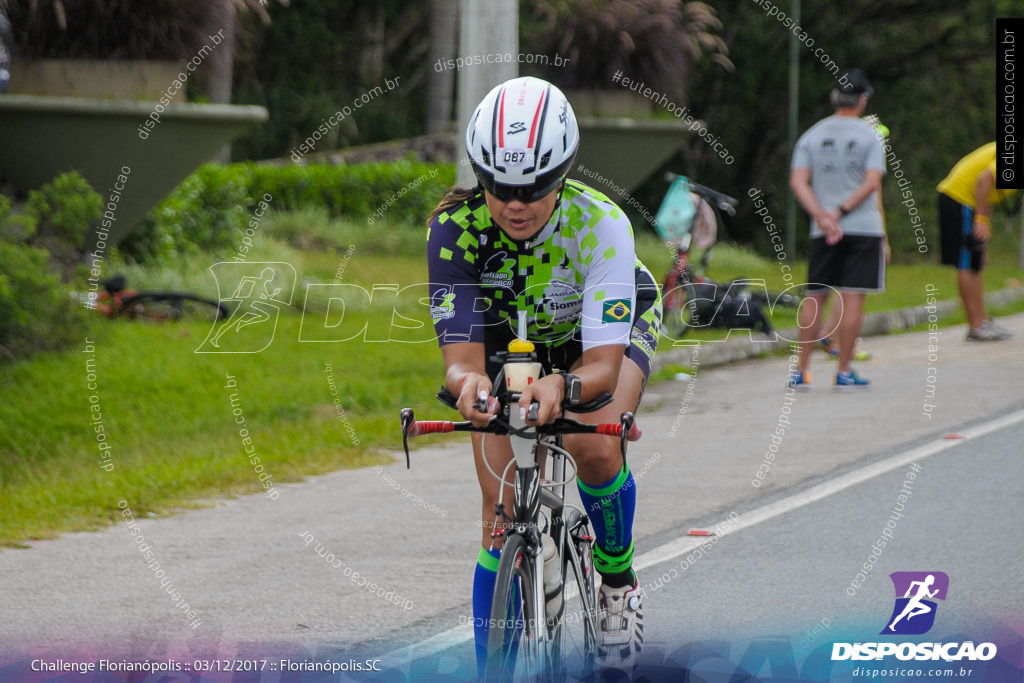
169	419
168	416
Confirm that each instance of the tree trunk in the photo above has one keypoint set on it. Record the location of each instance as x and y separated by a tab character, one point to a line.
444	17
222	67
371	52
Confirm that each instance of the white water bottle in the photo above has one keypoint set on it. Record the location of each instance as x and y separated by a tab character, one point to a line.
552	579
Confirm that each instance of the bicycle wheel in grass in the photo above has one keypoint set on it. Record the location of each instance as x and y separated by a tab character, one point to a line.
173	306
790	298
574	638
513	650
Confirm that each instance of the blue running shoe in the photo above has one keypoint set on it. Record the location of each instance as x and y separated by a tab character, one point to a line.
801	381
850	380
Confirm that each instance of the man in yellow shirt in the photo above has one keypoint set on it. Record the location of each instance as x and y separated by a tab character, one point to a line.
966	198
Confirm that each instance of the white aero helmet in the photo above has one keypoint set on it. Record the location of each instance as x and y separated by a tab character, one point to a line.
522	139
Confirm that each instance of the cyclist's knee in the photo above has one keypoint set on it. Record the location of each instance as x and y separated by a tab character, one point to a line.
596	457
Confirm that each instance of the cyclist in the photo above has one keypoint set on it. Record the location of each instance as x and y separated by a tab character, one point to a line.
528	241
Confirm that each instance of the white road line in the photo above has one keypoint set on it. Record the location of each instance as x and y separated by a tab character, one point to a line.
673	549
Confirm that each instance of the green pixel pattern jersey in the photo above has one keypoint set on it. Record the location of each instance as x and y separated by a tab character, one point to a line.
575	280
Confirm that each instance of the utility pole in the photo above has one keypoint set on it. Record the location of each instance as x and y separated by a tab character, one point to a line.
794	105
489	32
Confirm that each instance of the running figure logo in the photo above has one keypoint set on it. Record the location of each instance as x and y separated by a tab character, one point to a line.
914	613
258	292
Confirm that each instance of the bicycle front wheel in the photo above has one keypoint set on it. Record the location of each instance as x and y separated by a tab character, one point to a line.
515	651
574	639
173	306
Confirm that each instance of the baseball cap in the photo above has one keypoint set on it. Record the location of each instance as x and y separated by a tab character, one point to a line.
855	82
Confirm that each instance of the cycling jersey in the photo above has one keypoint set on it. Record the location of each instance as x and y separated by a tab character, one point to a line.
575	279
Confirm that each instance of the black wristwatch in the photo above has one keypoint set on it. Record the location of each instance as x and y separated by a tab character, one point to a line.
573	388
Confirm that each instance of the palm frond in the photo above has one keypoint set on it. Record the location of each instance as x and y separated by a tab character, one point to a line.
120	29
654	41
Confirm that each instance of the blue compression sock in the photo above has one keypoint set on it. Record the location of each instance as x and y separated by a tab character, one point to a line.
483	594
610	507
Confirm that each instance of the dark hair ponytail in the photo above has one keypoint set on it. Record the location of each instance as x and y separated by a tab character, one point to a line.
456	195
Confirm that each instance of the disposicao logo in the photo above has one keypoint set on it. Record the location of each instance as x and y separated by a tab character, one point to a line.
914	614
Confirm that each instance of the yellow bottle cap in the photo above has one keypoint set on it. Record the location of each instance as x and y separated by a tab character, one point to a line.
520	346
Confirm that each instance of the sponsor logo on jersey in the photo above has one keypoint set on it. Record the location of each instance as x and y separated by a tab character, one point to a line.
498	271
645	340
561	303
442	305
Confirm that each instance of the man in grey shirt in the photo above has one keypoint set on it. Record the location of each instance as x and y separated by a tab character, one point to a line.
836	176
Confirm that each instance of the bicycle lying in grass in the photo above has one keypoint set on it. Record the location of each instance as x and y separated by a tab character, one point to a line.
544	615
156	306
691	214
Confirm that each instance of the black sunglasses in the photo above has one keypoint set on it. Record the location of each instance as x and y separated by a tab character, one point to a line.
527	194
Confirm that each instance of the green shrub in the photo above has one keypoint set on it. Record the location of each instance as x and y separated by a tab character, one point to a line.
17	228
207	211
211	208
308	228
37	247
37	312
357	192
65	209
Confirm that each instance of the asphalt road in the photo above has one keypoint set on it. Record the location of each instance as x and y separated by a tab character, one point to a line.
781	581
250	572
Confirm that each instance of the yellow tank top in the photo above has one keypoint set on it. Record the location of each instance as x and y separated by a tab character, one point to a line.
960	182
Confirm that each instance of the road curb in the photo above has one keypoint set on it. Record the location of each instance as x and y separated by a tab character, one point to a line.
741	346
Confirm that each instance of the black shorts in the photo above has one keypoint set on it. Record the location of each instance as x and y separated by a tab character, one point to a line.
959	247
643	337
856	263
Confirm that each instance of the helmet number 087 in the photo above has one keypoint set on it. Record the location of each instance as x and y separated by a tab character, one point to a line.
515	157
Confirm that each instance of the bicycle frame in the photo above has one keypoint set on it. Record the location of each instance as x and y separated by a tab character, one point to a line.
529	494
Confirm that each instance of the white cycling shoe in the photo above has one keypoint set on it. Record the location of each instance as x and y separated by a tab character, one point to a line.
621	628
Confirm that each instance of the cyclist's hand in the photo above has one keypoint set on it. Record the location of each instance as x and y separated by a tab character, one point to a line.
476	387
549	391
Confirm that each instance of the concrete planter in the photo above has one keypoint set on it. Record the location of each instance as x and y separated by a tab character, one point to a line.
609	103
43	136
625	152
104	79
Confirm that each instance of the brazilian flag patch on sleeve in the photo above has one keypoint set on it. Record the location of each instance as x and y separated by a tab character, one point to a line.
615	310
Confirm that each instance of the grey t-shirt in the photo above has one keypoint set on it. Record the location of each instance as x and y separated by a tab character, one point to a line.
839	150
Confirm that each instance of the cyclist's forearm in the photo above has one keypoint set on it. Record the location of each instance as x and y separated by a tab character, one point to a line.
457	374
462	361
599	371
